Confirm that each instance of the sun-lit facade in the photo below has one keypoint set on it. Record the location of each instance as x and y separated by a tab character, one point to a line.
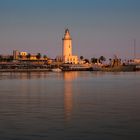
15	54
23	53
67	49
137	60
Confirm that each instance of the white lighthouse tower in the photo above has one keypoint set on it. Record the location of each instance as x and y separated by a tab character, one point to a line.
67	49
67	44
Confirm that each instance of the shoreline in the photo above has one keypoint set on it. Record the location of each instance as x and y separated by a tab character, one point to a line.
25	70
49	70
125	68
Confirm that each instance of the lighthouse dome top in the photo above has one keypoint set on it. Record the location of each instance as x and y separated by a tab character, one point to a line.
66	30
67	34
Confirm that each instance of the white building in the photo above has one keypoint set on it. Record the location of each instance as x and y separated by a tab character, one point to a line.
67	49
23	53
137	60
15	54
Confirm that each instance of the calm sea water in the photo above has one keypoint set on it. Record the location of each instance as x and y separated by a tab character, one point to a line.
70	106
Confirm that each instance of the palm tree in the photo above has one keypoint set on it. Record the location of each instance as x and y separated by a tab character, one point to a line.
94	60
38	56
28	56
11	58
45	57
81	57
86	60
20	56
102	58
0	57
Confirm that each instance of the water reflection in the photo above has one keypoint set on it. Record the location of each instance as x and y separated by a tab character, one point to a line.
60	102
23	75
68	94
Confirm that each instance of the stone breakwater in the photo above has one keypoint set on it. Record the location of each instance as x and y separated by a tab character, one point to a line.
120	68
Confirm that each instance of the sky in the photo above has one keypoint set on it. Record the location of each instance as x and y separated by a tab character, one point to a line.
97	27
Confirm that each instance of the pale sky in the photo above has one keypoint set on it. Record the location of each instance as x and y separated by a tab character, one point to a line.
97	27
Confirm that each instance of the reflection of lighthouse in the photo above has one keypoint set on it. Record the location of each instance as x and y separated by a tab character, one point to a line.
67	49
68	94
68	100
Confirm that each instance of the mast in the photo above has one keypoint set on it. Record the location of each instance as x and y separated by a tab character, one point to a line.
134	48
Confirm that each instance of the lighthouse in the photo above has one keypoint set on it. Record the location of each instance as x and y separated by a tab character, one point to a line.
67	44
67	49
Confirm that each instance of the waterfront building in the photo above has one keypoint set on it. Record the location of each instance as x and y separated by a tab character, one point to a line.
67	49
23	54
15	55
137	60
33	57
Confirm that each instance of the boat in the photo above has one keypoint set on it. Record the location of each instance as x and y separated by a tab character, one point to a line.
124	68
96	67
76	67
137	67
56	70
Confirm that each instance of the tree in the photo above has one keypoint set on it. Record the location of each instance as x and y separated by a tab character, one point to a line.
86	60
94	60
81	57
102	58
0	57
20	56
11	58
45	57
38	56
28	56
